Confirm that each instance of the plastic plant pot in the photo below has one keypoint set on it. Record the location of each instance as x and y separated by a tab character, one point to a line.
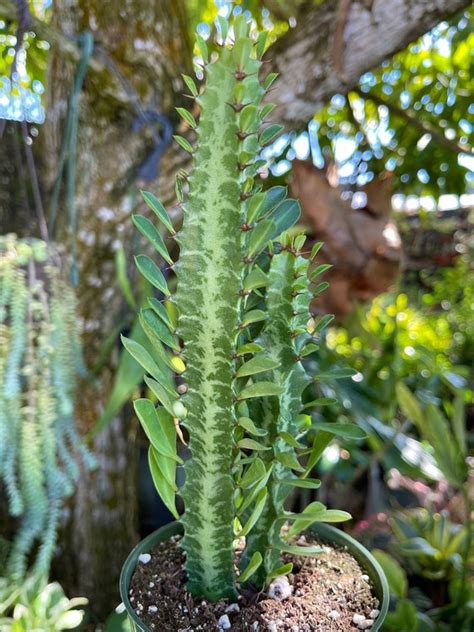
324	532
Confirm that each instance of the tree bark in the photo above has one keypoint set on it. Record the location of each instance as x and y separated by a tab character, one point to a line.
148	42
334	43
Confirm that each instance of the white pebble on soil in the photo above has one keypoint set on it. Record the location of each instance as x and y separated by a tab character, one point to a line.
374	614
365	578
334	614
152	609
357	619
144	558
280	588
233	607
224	622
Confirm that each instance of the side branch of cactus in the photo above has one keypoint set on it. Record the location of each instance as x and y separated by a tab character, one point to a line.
287	300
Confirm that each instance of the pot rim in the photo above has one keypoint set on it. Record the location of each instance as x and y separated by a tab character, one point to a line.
327	533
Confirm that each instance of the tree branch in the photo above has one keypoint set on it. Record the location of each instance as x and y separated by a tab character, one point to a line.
310	72
425	127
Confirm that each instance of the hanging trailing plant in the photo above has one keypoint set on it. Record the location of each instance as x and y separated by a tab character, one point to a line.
39	360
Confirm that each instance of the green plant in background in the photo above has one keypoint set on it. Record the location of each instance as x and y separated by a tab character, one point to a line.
235	333
451	297
39	360
432	546
405	616
37	607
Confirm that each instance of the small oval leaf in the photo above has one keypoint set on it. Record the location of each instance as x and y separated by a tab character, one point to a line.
260	389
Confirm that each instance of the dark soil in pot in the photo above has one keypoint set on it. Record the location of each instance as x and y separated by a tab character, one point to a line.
328	592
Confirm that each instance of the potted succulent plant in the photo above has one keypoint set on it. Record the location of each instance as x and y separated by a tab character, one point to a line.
227	368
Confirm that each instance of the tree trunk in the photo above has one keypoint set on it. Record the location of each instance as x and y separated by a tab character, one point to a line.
334	43
148	41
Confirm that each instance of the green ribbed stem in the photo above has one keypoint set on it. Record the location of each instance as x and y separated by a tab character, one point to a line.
207	299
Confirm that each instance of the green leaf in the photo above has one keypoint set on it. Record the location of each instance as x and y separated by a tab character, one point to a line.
159	210
255	472
289	460
242	51
322	401
249	118
273	197
341	429
255	489
223	27
314	514
269	134
305	483
255	562
256	513
151	233
250	347
298	550
185	144
319	270
320	443
260	236
290	440
285	215
253	206
315	249
308	349
156	434
269	79
302	521
257	278
153	324
419	547
160	310
157	349
152	273
251	444
261	43
165	490
396	576
410	406
266	110
260	389
187	117
336	374
162	394
254	316
459	423
128	376
323	322
202	47
122	277
142	356
191	85
321	287
279	571
257	364
241	26
250	427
